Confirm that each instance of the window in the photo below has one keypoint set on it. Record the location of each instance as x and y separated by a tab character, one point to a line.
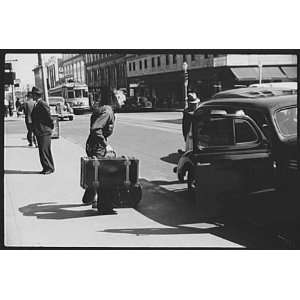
167	59
286	120
214	132
153	62
244	133
77	93
192	57
174	58
184	57
129	66
84	93
133	65
158	61
145	64
70	94
141	65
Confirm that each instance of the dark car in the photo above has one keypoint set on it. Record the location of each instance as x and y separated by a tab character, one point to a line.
253	139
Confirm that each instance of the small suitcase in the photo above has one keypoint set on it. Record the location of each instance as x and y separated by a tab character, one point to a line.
115	178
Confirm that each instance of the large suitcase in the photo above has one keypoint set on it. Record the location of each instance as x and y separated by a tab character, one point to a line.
115	178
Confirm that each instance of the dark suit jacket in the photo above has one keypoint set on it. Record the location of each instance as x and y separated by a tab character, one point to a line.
41	119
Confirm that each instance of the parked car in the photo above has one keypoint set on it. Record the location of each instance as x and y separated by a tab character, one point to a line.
59	106
256	91
255	138
136	104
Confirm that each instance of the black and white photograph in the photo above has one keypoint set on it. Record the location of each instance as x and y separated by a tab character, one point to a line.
151	149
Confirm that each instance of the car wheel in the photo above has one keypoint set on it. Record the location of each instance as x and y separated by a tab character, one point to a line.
191	184
71	118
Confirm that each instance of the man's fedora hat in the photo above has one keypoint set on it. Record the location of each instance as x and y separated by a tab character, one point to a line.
36	91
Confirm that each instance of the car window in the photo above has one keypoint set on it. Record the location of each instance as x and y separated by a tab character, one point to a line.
70	94
244	132
286	120
215	132
77	93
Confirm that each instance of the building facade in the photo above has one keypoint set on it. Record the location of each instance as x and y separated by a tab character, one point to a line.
73	67
54	71
160	77
105	73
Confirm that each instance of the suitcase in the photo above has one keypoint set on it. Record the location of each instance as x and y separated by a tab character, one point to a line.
116	179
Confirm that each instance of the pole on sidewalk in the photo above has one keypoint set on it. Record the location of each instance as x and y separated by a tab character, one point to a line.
45	90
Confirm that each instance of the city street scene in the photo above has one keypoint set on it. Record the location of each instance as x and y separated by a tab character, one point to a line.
158	150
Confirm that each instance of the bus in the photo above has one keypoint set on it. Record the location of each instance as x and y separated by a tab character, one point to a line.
75	94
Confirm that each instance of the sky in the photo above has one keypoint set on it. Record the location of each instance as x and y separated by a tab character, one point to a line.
23	67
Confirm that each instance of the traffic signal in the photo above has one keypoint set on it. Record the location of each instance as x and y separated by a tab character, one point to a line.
9	77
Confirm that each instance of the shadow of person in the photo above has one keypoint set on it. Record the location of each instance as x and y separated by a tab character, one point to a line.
49	210
20	172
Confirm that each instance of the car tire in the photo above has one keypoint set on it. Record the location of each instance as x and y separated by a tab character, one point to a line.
190	183
71	118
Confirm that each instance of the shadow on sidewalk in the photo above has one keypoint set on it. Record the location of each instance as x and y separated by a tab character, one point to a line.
28	147
20	172
50	210
175	209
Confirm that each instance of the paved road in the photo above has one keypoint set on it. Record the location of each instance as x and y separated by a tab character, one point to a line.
166	216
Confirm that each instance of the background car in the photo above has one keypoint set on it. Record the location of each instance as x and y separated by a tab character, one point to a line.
59	106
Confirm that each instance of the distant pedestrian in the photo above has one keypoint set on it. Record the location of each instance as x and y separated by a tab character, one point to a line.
42	128
6	104
28	107
193	104
101	127
18	107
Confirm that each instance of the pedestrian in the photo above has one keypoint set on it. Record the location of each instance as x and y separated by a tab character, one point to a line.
18	107
28	107
42	127
101	127
6	104
193	104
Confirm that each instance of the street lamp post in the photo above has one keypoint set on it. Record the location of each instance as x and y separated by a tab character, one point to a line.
260	66
186	82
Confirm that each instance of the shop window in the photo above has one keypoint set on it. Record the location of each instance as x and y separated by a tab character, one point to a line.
158	61
133	66
129	66
167	59
174	58
145	64
153	62
141	65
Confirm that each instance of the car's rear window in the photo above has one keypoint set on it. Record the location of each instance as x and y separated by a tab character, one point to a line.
286	120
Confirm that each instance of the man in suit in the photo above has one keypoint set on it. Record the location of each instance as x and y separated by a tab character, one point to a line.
28	107
42	128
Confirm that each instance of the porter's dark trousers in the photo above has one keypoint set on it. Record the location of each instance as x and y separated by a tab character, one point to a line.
44	143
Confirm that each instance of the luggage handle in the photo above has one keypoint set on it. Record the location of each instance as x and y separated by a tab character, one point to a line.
127	163
96	164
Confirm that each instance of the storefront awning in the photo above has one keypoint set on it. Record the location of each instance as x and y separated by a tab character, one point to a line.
272	73
252	73
244	74
291	72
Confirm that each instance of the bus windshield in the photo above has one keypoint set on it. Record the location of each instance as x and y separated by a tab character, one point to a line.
85	93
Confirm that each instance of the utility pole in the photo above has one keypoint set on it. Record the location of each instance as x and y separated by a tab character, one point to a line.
41	64
186	83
